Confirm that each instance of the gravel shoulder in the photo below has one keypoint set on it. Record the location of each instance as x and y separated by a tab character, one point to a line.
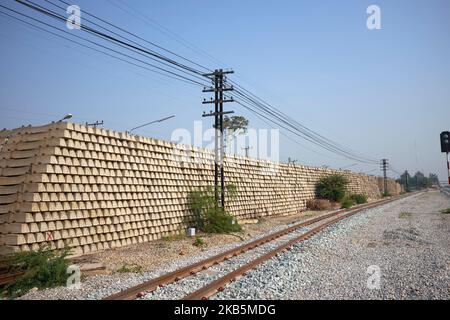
407	242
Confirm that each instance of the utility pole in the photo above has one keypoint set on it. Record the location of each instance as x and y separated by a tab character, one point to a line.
246	150
95	124
384	167
218	79
406	178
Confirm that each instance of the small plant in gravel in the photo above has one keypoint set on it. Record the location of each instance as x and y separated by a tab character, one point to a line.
347	202
130	268
199	242
359	198
319	204
43	268
207	215
332	187
446	211
404	215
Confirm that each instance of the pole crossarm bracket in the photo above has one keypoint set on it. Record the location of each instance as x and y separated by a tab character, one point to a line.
212	114
217	101
211	89
219	72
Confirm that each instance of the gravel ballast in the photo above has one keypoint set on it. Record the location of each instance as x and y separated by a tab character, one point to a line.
407	241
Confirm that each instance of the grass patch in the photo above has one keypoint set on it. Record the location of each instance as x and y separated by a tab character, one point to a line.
130	268
199	242
43	268
404	215
174	237
446	211
359	198
347	202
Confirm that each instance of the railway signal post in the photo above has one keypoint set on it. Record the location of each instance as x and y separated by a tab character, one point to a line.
445	148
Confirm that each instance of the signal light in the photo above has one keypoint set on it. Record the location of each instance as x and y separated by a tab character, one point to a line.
445	141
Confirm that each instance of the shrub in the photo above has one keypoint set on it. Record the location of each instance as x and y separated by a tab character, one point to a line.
208	216
359	198
319	204
44	268
332	187
445	211
347	202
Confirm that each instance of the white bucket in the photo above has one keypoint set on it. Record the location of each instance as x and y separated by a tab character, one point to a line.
191	232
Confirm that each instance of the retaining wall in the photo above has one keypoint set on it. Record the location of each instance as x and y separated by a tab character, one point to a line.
94	189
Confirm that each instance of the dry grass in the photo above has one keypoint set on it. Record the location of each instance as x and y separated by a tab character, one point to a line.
319	204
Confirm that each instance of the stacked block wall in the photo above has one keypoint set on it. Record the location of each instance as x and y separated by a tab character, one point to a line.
95	189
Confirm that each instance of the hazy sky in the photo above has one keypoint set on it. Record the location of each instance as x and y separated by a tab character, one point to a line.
383	93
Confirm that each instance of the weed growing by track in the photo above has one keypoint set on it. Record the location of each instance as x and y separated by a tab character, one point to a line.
43	268
130	268
404	215
207	215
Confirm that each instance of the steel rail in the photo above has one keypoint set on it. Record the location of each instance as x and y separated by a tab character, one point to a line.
10	277
174	276
218	285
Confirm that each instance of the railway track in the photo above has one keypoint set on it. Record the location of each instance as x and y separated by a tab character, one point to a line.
219	284
7	274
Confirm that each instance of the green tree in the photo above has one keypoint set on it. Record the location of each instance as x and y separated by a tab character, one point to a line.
235	124
433	179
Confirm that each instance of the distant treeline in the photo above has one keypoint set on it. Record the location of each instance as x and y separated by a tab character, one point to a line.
418	181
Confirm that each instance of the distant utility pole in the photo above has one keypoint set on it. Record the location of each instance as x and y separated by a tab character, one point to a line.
246	150
291	161
95	124
406	178
384	167
218	78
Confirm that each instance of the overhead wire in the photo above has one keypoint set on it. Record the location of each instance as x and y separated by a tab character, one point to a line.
248	99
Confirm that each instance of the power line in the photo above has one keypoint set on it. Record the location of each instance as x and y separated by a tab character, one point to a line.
127	32
247	96
170	74
373	161
136	49
306	131
74	47
299	132
154	24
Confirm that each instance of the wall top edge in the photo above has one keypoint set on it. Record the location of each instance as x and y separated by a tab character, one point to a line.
132	138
